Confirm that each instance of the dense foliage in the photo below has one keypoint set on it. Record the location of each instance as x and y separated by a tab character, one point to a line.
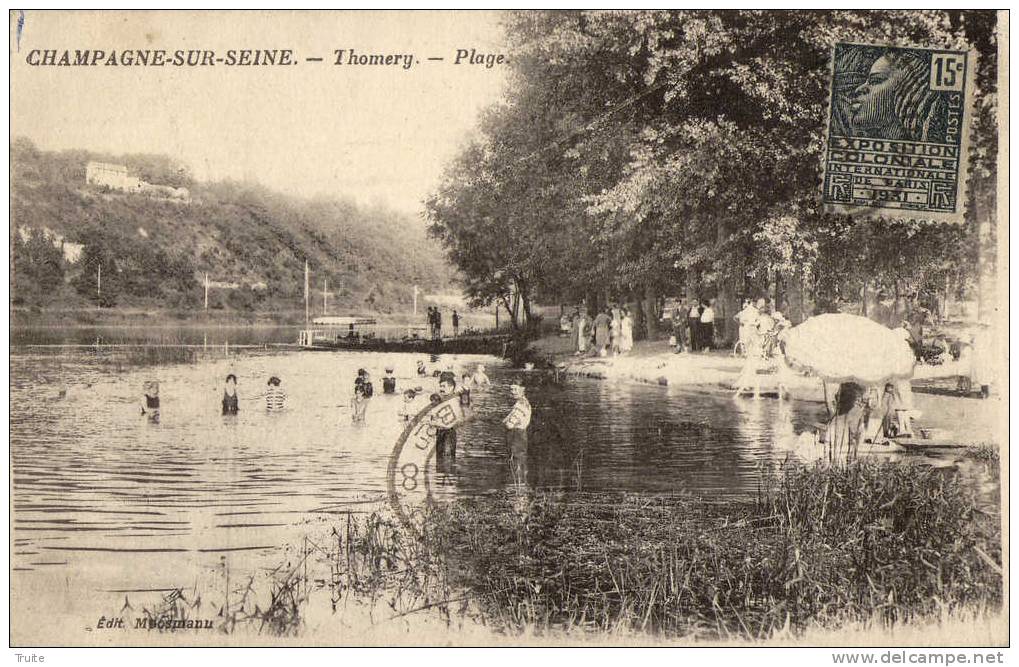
155	252
822	547
644	153
39	266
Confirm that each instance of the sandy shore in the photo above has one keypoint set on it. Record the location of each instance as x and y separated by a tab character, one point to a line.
969	420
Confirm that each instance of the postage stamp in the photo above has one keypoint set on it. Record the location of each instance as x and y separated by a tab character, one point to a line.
898	132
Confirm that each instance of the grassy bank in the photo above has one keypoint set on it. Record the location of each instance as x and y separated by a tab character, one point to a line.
873	549
819	549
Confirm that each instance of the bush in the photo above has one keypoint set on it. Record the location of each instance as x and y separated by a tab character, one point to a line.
822	546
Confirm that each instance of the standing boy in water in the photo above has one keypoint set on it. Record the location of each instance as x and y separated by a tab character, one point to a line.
516	423
445	438
409	408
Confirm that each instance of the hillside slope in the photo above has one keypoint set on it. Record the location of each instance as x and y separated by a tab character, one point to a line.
156	252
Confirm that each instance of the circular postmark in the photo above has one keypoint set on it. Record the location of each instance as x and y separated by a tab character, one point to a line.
407	479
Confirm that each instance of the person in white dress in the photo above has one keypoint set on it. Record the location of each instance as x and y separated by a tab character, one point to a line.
747	319
626	332
616	332
707	325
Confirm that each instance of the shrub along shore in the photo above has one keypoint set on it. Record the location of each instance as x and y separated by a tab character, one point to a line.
820	547
882	548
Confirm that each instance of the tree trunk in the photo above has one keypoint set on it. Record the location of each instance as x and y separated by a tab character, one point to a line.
725	297
515	312
595	303
529	323
650	312
726	308
513	320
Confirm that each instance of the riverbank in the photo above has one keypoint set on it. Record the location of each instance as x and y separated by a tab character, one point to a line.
968	419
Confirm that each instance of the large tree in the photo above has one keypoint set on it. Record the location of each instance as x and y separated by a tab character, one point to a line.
642	151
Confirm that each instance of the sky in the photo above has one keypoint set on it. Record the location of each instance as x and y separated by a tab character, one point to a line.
377	134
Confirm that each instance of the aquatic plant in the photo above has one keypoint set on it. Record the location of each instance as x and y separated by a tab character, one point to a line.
988	453
819	548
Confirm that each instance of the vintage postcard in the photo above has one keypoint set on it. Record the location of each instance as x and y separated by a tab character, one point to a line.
510	328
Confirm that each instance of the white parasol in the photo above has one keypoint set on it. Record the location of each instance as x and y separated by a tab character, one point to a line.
848	348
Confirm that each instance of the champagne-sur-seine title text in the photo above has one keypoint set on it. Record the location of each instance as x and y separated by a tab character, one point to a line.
349	57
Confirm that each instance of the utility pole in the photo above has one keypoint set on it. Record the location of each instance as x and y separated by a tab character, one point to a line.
415	300
206	291
306	303
325	296
99	286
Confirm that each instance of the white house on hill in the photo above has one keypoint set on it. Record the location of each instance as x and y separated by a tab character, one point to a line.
113	176
116	177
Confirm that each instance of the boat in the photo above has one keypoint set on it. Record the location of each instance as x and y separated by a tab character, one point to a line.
334	331
365	334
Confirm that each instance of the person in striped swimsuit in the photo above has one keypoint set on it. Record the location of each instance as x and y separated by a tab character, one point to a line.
275	397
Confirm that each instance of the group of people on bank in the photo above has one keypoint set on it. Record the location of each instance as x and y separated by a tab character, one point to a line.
760	323
435	323
609	332
693	325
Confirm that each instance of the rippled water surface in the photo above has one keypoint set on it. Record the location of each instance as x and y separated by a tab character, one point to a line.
108	502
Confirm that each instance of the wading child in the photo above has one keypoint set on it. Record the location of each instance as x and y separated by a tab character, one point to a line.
358	405
445	438
409	407
516	423
150	399
480	379
230	395
389	382
275	397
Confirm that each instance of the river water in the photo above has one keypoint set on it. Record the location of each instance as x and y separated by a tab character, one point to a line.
109	504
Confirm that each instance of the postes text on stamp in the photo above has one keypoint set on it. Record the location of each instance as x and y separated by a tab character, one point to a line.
898	132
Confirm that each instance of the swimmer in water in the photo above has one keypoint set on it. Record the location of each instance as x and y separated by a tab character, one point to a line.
150	399
72	391
480	379
389	382
230	395
422	371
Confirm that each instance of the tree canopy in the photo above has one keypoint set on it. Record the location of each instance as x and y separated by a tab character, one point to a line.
642	153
